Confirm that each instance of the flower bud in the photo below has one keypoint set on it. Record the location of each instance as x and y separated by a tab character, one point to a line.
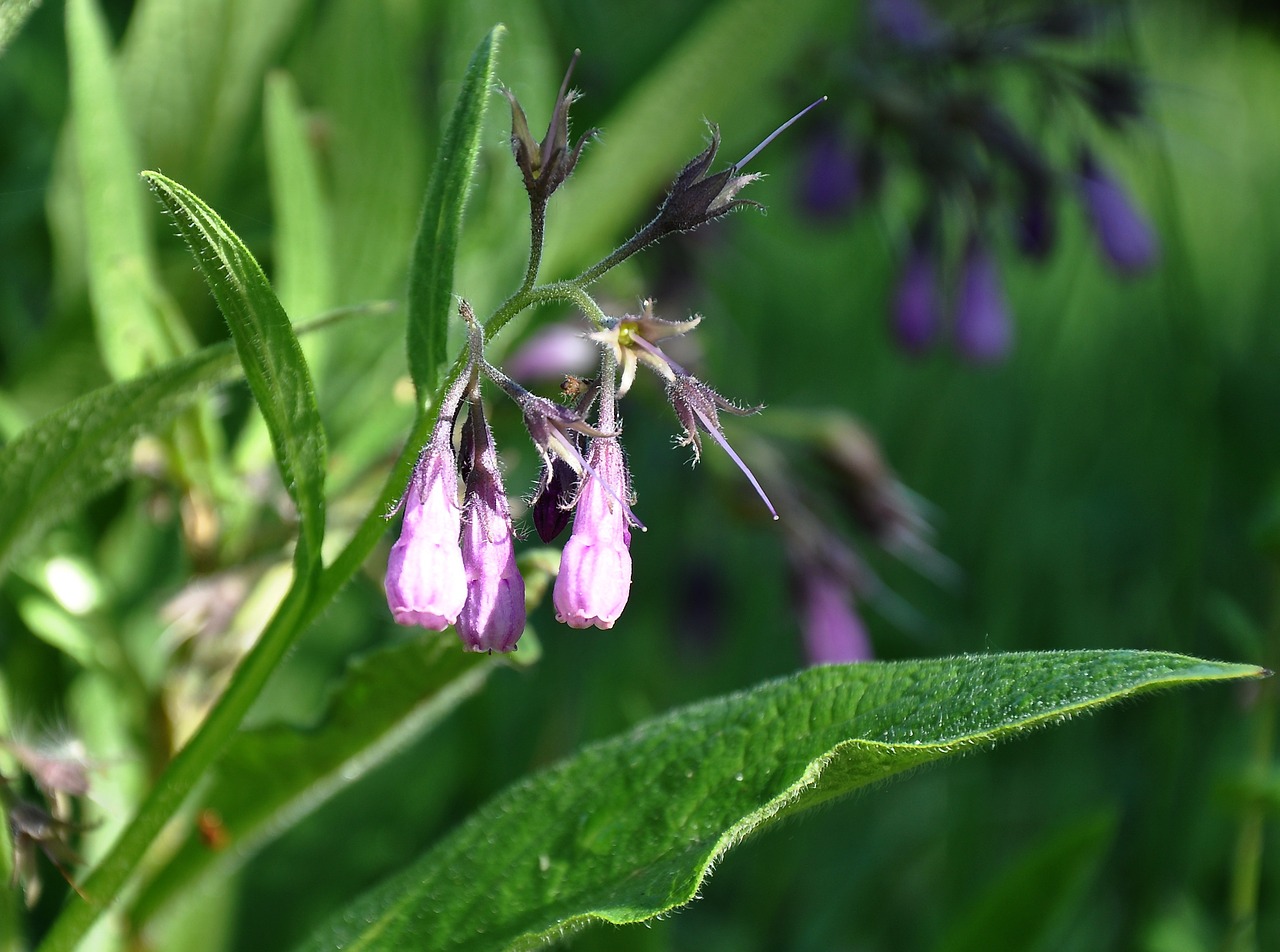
595	568
1124	235
916	309
983	332
425	581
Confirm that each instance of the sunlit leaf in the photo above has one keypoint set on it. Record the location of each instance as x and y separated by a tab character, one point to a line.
137	325
303	233
434	250
13	14
273	363
629	828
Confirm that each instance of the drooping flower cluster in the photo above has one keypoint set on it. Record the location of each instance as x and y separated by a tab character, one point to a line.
454	562
934	96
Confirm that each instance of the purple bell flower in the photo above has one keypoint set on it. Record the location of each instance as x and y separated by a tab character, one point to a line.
425	582
983	330
493	616
833	632
1125	236
595	568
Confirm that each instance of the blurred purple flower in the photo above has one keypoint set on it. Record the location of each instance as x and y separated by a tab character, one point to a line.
551	352
493	616
1126	238
829	180
983	330
916	308
425	582
833	632
907	22
595	568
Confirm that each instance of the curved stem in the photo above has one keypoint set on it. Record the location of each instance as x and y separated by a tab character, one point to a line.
537	229
637	242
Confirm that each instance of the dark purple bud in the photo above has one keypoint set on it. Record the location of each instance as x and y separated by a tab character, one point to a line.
982	328
1113	93
1035	230
829	179
917	310
1124	235
546	164
696	198
553	507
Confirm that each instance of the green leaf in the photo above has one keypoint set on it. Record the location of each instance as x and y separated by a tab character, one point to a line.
137	325
726	69
629	828
192	75
1028	902
13	14
63	460
271	777
434	250
303	236
269	352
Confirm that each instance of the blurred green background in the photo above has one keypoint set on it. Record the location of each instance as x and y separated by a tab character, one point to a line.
1114	484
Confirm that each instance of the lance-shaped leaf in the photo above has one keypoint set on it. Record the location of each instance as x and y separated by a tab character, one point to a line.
136	323
269	352
270	777
63	460
629	828
434	250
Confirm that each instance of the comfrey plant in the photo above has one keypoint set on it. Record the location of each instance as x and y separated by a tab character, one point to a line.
925	102
454	562
622	831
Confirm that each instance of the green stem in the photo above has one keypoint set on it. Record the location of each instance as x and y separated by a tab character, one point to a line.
537	228
640	240
182	774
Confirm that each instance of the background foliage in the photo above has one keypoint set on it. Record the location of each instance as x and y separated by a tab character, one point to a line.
1112	485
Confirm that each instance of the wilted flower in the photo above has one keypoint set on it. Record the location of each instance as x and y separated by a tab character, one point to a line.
632	341
696	198
59	765
546	164
493	616
426	584
1125	236
551	507
983	331
595	568
31	828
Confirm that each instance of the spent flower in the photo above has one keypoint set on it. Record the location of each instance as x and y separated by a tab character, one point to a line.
546	164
